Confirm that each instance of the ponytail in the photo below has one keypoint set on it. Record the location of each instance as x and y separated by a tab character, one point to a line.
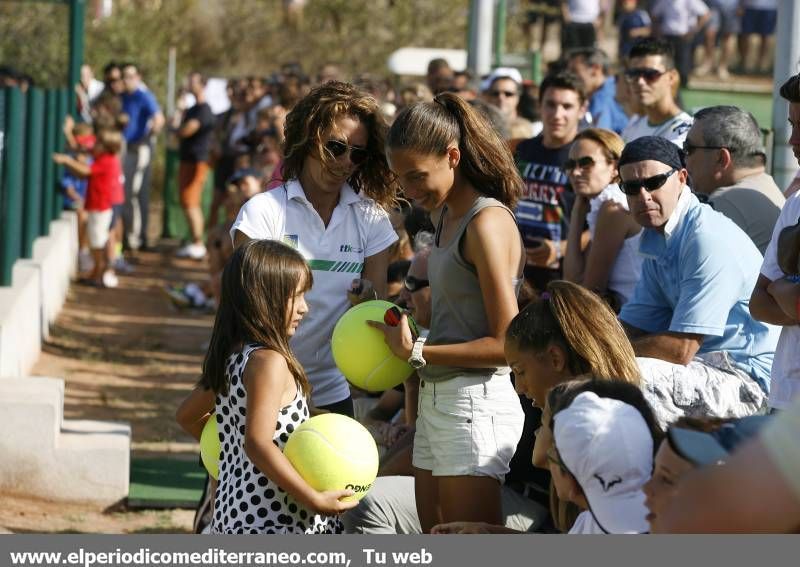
429	128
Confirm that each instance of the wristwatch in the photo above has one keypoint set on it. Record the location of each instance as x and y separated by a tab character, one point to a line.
415	360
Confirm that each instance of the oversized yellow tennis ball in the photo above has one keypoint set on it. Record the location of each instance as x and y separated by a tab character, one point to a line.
360	352
334	452
209	447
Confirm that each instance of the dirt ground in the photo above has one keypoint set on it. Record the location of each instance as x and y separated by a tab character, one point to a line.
126	354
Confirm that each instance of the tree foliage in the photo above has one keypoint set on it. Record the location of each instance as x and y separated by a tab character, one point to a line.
228	37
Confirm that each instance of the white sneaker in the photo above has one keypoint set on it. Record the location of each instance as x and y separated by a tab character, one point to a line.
85	262
193	251
110	279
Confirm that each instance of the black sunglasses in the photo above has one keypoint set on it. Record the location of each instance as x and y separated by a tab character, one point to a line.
633	186
338	148
584	162
413	284
648	74
508	94
689	148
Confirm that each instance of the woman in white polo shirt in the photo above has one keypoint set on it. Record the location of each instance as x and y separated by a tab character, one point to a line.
332	209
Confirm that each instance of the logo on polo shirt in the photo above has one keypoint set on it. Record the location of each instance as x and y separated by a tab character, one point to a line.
291	240
350	248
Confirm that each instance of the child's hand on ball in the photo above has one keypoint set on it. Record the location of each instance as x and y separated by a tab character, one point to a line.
398	338
329	502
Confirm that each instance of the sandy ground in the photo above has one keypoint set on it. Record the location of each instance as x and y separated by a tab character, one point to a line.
126	354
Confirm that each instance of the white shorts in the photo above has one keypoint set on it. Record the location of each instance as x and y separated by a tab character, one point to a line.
98	226
468	426
709	386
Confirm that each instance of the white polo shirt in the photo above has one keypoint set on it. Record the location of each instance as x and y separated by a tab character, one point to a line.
358	229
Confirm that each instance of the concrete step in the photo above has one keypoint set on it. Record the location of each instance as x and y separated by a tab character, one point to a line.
57	459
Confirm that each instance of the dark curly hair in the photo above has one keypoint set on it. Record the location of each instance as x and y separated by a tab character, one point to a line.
316	113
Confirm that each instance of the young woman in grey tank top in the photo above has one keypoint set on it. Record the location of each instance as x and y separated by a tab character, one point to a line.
451	162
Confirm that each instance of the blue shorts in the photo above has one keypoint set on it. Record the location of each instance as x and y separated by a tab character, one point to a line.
116	214
723	17
761	22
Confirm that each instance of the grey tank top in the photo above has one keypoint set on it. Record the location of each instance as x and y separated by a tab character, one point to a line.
459	314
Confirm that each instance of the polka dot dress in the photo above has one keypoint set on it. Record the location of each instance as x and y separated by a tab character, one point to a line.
247	502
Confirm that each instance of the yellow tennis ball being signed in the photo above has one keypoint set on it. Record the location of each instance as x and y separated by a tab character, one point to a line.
334	452
361	353
209	447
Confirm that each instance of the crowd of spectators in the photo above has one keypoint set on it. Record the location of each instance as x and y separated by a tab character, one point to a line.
660	298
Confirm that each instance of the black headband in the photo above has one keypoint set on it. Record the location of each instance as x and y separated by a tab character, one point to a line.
652	148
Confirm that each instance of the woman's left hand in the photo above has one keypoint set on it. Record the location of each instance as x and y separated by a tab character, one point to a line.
398	338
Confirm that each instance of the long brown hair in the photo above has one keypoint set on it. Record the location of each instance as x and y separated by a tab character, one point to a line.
258	283
582	324
430	128
316	113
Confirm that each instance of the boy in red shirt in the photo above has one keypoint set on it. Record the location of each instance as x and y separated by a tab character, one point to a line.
105	188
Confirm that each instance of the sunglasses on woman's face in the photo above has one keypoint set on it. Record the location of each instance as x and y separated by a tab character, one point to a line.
338	148
413	284
584	162
633	186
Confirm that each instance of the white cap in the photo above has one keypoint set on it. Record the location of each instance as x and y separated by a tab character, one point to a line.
608	448
501	73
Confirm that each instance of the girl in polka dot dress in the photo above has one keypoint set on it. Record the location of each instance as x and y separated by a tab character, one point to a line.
260	394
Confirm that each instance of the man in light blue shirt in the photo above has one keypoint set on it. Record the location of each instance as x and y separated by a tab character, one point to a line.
689	311
592	66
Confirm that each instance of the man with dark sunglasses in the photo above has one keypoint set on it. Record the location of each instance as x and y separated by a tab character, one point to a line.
726	160
653	83
688	318
502	89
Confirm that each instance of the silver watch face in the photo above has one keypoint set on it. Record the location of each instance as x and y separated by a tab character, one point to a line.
416	363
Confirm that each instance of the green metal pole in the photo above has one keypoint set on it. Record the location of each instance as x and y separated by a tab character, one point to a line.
48	165
536	67
77	9
11	205
500	17
61	96
32	195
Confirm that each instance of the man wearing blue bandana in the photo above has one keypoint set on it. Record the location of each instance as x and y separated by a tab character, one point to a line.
688	318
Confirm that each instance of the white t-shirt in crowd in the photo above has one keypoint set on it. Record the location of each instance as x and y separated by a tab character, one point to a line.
677	17
358	229
586	524
673	129
785	376
584	11
628	264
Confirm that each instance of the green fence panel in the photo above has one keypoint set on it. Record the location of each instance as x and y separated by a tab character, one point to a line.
60	146
2	154
32	194
11	206
48	166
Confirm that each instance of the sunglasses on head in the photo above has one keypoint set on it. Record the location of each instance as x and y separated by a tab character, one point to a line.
338	148
633	186
507	94
413	284
647	73
584	162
